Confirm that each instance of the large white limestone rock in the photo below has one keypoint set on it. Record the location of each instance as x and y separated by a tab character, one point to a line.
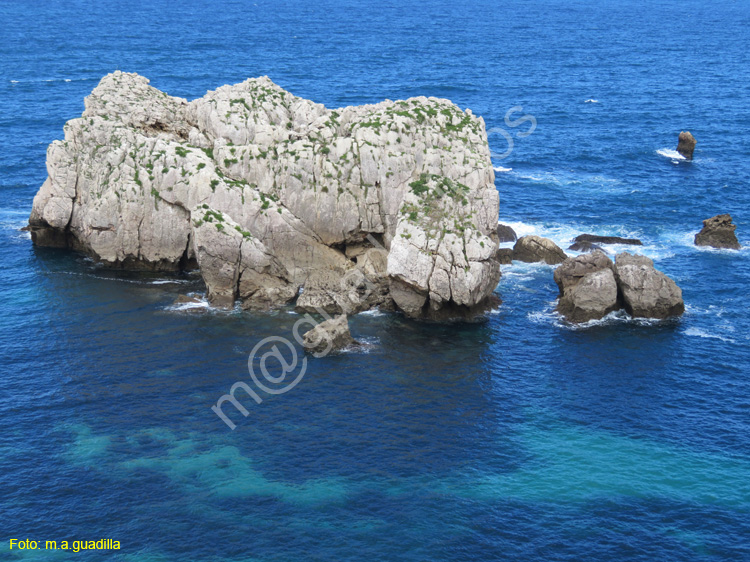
140	179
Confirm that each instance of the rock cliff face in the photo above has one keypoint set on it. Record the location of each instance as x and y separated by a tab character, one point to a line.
268	193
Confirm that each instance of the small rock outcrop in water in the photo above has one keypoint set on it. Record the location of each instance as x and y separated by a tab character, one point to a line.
591	287
646	291
534	248
268	193
504	256
584	247
506	233
718	232
331	335
588	289
594	239
686	144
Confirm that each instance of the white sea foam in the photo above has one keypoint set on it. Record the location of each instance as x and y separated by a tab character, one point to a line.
547	316
743	250
665	246
143	281
572	180
538	177
712	310
20	237
511	273
48	80
123	280
670	153
521	228
366	346
169	282
591	100
501	169
550	316
202	303
15	221
698	333
372	312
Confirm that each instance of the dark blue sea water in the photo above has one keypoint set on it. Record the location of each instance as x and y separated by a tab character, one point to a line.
519	439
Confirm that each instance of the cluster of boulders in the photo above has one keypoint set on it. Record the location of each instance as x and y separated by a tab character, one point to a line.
528	249
717	232
591	286
533	248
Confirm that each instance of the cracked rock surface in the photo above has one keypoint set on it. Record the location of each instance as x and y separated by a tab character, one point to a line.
268	193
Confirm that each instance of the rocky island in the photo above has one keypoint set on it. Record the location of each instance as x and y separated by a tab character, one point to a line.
718	232
273	196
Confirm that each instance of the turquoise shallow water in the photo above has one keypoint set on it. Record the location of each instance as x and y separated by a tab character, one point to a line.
516	439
